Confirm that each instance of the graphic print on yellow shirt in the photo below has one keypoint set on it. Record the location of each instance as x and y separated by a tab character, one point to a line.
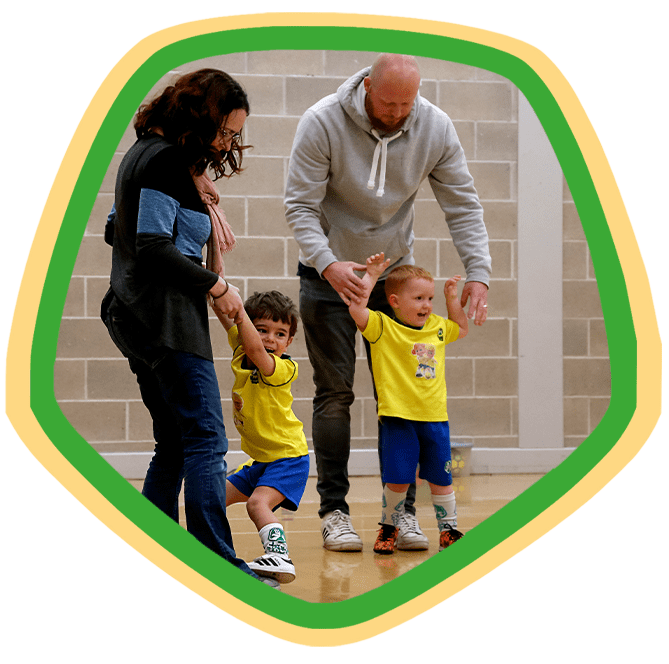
262	408
408	366
427	363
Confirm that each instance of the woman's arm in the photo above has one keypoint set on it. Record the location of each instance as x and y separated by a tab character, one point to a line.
171	224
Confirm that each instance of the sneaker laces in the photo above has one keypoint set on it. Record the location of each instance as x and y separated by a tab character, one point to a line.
410	522
341	523
451	532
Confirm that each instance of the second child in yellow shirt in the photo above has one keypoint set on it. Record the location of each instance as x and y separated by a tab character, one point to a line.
271	434
408	355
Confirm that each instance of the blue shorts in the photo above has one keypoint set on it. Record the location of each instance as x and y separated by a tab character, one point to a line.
405	445
288	476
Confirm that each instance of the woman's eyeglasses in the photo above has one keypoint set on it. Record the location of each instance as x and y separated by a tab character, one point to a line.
226	134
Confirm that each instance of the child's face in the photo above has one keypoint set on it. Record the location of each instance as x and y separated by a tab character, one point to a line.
413	303
275	335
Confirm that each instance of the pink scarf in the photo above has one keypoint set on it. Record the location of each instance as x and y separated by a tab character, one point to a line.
221	239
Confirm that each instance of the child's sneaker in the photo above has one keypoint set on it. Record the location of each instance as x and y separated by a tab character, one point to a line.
448	536
338	533
275	566
410	536
386	540
269	581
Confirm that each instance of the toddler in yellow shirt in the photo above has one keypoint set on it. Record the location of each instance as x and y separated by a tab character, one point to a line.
271	434
408	354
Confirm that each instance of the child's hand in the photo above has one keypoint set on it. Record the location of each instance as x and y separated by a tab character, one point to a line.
451	286
377	265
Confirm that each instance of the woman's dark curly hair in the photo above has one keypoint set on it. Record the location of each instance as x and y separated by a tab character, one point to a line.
191	112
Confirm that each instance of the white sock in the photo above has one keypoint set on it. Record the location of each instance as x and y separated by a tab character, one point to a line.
273	539
392	507
444	509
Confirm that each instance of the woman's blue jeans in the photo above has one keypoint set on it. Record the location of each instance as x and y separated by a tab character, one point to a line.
330	337
182	395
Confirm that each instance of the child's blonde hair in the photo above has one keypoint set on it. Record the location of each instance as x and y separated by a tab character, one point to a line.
401	274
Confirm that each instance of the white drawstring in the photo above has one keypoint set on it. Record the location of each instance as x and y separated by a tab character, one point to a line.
382	147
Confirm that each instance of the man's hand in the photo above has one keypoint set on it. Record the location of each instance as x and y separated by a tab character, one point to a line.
478	307
344	280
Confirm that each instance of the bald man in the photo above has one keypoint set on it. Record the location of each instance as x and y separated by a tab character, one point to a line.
358	159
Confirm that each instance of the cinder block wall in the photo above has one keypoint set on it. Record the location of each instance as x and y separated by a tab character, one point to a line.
97	392
587	377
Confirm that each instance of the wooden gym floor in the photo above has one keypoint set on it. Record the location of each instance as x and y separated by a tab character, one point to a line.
329	576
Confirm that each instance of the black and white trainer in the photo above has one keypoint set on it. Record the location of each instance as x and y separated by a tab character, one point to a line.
338	533
275	566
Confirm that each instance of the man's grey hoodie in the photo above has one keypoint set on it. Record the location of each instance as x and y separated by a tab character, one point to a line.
350	190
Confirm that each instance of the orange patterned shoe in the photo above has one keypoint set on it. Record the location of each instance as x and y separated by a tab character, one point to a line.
448	536
386	540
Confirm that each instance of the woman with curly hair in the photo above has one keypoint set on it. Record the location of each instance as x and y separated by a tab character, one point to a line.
165	211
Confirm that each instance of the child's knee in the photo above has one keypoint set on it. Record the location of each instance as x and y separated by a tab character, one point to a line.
258	502
438	490
232	494
398	488
252	503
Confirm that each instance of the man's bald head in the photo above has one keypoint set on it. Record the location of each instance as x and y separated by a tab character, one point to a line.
392	86
395	67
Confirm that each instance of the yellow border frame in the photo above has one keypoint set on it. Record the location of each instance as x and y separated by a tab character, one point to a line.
649	348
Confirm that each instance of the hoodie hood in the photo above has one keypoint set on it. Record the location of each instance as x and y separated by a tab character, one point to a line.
351	95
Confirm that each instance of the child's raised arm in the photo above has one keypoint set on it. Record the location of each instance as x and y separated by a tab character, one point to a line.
455	311
254	348
376	266
226	322
251	341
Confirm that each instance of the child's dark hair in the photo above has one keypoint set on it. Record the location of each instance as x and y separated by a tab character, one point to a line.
273	305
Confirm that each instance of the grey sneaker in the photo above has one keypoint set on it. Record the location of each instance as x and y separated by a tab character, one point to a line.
338	533
274	566
411	537
269	581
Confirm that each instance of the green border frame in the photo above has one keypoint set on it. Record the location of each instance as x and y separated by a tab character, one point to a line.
488	534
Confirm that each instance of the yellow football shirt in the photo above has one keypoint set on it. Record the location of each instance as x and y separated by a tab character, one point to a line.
262	408
408	366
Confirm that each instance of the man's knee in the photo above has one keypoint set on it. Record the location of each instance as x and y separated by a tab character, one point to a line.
334	406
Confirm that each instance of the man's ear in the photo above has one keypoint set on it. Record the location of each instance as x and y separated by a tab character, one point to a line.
290	341
393	301
367	82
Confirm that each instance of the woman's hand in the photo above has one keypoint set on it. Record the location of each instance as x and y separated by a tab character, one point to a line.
226	299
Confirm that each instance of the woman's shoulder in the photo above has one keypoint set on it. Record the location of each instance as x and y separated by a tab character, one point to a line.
160	151
158	161
148	146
